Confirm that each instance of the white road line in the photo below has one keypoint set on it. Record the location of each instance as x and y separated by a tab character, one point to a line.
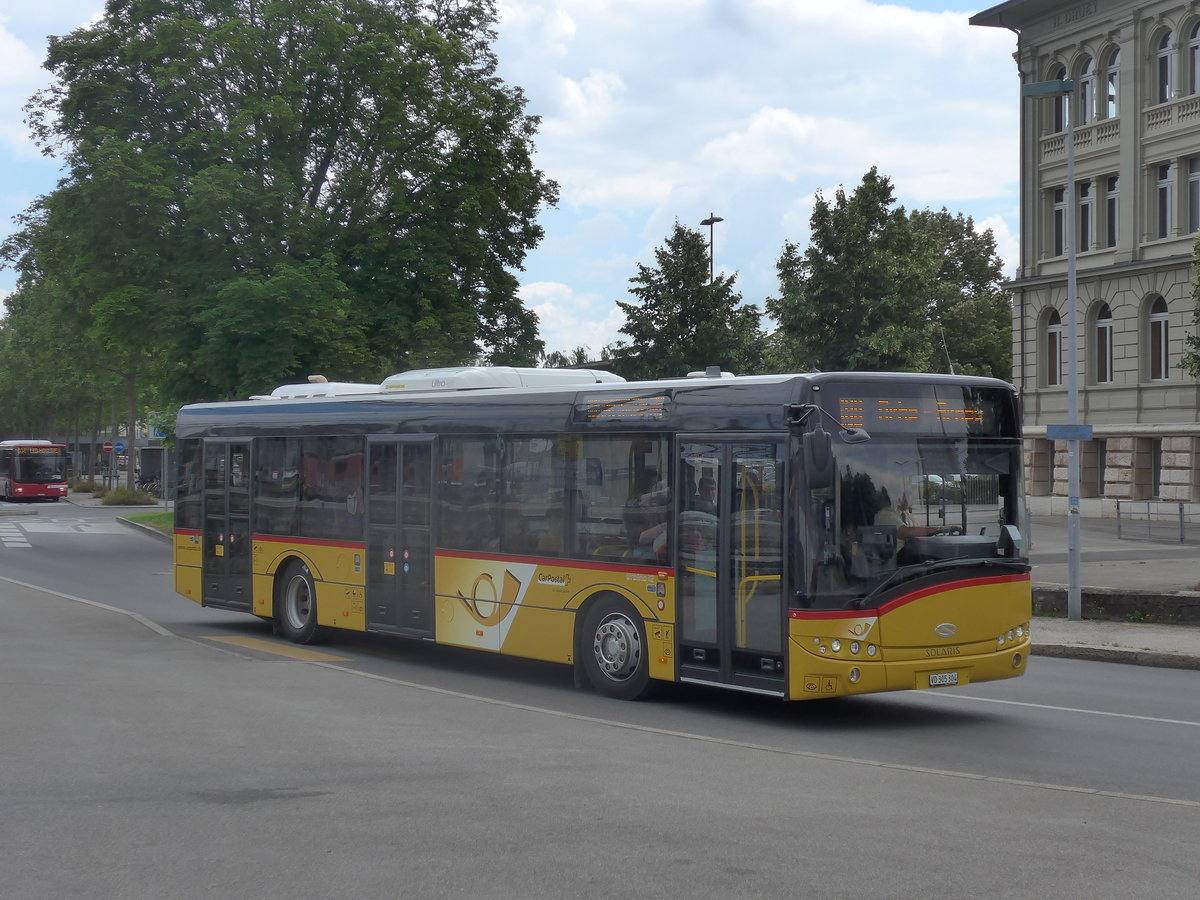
1072	709
711	739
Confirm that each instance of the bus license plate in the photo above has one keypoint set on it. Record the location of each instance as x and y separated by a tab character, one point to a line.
938	679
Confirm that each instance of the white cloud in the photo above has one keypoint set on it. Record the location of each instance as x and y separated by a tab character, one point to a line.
569	321
20	76
661	110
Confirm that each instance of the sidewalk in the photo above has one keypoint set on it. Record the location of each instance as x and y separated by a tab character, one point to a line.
1107	561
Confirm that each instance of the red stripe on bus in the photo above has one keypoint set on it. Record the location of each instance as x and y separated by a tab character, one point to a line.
560	563
308	542
905	599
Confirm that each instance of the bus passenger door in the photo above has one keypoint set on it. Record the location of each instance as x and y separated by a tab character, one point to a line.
730	552
226	566
399	597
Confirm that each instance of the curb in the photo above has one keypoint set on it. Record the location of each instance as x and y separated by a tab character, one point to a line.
1153	658
145	529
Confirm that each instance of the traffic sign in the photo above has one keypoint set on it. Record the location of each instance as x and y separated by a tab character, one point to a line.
1069	432
107	447
119	446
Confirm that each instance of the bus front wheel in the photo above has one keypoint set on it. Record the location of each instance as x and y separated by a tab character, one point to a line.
297	611
613	650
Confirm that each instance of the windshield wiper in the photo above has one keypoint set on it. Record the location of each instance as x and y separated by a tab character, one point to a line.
916	570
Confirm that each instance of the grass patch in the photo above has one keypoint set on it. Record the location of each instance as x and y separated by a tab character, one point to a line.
159	520
125	497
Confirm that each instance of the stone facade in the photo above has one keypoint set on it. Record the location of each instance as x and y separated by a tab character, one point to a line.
1135	202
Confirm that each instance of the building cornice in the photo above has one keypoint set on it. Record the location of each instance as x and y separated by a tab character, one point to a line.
1118	269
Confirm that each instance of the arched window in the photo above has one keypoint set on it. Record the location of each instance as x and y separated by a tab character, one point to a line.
1194	60
1062	104
1157	348
1162	67
1104	345
1053	355
1087	91
1112	73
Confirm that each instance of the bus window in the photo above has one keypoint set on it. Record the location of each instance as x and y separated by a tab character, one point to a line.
331	487
468	492
188	514
626	497
535	490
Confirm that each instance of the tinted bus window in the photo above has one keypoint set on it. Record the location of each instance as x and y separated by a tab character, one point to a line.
277	485
188	486
469	493
624	498
331	487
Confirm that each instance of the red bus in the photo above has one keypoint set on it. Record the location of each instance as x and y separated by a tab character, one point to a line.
31	470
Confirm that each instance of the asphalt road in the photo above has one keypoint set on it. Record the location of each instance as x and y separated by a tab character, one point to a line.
180	754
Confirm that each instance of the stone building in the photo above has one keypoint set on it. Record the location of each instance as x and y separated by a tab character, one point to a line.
1135	114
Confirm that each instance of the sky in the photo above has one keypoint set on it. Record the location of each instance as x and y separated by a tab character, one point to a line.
657	111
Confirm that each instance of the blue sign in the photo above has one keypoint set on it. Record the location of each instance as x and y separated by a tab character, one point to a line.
119	447
1069	432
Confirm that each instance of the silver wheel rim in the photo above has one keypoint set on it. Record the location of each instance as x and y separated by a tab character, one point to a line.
617	647
297	602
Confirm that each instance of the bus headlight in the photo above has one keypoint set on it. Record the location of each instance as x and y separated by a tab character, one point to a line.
854	676
835	645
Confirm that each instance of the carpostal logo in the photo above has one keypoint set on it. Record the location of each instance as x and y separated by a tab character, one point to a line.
494	609
563	580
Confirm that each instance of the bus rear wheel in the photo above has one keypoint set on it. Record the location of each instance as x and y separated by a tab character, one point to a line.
297	605
613	650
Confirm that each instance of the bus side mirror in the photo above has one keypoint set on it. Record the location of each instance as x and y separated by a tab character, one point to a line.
1011	543
818	458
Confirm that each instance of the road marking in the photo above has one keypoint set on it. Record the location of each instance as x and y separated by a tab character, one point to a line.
274	647
137	617
74	526
766	748
1072	709
12	536
649	729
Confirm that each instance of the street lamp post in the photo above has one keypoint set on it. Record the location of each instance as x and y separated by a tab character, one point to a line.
1073	432
710	222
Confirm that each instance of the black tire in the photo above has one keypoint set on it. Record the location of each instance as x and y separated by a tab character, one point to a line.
296	605
613	650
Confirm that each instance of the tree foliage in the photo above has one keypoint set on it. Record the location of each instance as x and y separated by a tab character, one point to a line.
260	190
682	321
879	289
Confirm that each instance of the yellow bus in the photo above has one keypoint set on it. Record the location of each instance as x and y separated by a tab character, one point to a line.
798	536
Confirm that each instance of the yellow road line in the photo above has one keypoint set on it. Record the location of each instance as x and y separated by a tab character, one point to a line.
278	649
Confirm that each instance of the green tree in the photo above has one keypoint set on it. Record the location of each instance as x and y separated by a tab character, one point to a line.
857	297
341	186
967	303
681	321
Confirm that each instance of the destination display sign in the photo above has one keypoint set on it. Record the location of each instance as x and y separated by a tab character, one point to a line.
617	407
936	409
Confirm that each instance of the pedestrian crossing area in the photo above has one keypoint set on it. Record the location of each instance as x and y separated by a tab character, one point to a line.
16	535
12	537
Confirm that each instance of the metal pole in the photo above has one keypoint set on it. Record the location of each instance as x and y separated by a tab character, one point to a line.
711	221
1074	602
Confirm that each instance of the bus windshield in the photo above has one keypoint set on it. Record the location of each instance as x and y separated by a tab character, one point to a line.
41	469
909	502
